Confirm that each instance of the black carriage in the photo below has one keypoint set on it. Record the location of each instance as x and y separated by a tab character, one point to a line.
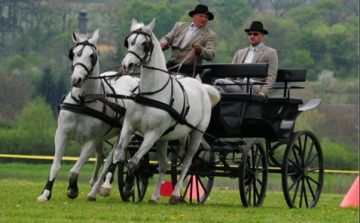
248	137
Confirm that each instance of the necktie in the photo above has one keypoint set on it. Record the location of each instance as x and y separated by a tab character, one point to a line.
250	56
188	36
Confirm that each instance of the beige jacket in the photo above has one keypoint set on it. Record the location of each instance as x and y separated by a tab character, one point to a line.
205	37
264	55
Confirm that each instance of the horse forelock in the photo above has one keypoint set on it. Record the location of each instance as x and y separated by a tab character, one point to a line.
137	26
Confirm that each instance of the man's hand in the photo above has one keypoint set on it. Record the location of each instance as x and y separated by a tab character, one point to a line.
197	48
164	45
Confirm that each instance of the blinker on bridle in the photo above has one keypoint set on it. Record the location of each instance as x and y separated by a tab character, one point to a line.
148	45
79	53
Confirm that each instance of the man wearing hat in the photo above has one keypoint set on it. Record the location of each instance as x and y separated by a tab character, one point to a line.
186	36
257	52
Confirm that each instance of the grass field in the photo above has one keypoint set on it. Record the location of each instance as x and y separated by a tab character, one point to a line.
21	184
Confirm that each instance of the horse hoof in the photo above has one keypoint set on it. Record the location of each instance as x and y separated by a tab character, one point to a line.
174	199
72	194
88	198
104	191
41	199
128	194
151	201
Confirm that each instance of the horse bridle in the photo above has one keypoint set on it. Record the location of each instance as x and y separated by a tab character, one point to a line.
94	57
148	45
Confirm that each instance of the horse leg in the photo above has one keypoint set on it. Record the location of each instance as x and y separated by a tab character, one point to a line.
100	156
148	141
195	140
118	156
73	189
96	187
161	147
105	188
60	145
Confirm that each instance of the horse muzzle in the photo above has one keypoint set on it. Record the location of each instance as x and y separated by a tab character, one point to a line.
77	82
128	69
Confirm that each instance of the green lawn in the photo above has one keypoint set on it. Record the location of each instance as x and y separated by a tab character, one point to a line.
21	184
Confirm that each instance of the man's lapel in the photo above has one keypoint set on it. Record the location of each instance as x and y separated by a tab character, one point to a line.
182	32
259	53
200	34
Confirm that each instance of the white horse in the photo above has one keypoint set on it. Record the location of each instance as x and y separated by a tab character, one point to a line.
190	98
75	124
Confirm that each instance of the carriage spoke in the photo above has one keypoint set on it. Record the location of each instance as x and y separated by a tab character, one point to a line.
303	170
310	187
313	157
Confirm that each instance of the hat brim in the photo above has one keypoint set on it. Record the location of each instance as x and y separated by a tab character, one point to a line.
209	14
258	30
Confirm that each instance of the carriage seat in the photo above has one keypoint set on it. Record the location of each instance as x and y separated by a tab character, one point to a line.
234	108
211	72
275	106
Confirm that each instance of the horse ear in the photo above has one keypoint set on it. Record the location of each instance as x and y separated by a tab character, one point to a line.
133	22
95	37
151	25
75	37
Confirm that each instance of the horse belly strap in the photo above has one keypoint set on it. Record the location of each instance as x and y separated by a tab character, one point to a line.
91	112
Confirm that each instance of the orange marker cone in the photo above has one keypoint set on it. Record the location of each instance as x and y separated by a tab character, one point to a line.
352	197
195	186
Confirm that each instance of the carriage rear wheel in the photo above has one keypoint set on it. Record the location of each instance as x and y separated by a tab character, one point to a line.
199	180
253	175
303	170
140	182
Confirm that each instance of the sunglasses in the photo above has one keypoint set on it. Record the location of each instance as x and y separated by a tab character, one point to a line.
254	34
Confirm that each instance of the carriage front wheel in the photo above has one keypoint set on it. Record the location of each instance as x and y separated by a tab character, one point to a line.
140	182
303	170
253	175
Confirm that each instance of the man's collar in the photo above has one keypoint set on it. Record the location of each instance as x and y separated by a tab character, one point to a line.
257	48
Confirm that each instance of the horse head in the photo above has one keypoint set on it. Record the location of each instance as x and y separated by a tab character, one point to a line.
140	45
84	58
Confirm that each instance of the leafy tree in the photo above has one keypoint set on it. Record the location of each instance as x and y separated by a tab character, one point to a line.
34	132
36	120
50	89
15	93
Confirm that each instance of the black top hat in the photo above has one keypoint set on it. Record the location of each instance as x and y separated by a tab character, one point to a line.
202	9
257	26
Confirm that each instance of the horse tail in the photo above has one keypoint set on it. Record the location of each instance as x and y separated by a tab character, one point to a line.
214	94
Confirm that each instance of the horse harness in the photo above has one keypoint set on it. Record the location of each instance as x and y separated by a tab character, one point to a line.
81	107
148	45
93	56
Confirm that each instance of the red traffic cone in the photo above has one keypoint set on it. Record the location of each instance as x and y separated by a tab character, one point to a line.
166	189
352	197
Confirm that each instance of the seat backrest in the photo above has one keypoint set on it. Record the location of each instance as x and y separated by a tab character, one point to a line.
222	70
287	75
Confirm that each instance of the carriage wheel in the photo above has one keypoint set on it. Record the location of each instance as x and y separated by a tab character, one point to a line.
253	175
140	183
303	170
199	181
